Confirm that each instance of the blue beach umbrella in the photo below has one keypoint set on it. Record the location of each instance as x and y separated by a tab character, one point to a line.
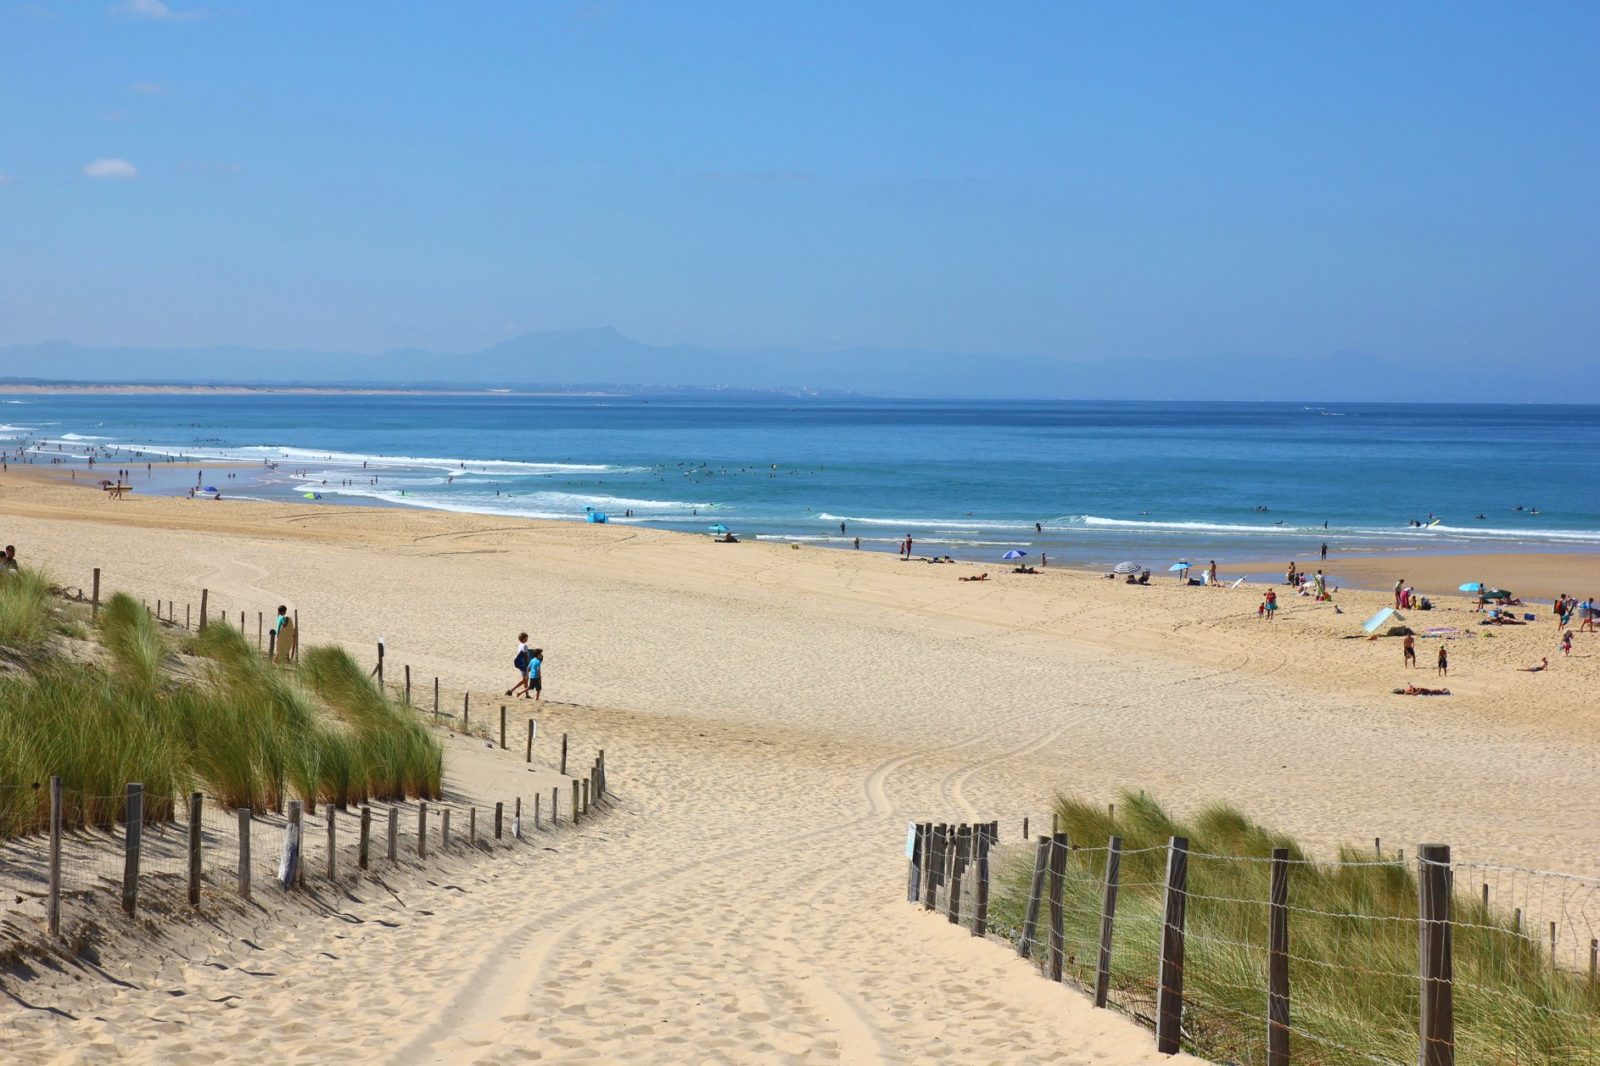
719	528
1014	553
1472	586
1178	566
209	488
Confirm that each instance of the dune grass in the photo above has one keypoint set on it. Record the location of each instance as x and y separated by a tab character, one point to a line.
25	611
225	721
1353	946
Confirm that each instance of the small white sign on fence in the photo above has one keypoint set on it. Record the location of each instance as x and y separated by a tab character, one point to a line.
911	840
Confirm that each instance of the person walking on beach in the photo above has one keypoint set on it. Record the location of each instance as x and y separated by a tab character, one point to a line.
1444	662
1566	643
1398	585
535	674
1586	615
1211	574
520	661
1409	649
1270	602
1324	551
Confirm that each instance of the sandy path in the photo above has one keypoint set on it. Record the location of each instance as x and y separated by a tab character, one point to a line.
786	714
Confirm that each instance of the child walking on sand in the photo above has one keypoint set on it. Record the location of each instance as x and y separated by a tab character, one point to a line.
1444	662
1410	648
536	673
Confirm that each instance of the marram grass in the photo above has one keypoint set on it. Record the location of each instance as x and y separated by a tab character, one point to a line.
1352	945
226	722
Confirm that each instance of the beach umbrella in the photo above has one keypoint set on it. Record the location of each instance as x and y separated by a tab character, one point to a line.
719	528
1014	553
1387	614
209	488
1126	568
1178	566
1472	586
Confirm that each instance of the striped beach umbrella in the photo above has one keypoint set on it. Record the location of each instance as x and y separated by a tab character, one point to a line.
1126	568
1014	553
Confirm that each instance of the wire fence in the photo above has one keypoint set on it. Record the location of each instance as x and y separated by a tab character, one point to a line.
1271	959
88	854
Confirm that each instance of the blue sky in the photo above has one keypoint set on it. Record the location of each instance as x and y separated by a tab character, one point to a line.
1412	181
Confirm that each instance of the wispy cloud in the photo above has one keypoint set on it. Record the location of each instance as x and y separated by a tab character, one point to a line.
119	169
153	10
149	88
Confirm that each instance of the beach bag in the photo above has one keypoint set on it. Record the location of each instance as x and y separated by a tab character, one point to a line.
521	661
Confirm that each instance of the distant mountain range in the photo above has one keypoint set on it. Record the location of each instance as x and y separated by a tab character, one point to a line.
604	358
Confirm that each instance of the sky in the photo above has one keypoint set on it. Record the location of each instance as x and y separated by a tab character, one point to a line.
1409	181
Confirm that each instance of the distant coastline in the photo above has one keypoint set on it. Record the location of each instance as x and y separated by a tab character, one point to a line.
69	387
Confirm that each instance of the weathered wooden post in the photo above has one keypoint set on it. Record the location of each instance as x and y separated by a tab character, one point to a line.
1108	920
422	829
577	801
1030	916
914	864
94	596
472	826
528	755
502	727
436	698
133	817
585	798
1278	962
245	817
980	913
333	812
499	816
408	684
555	804
261	629
935	856
392	852
289	866
1058	926
1169	994
204	596
958	867
1436	1028
466	712
563	754
444	830
362	848
53	908
600	764
196	802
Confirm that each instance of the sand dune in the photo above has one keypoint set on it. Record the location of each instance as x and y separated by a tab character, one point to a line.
772	718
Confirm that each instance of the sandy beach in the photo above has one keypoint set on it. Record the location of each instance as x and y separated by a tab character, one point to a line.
772	718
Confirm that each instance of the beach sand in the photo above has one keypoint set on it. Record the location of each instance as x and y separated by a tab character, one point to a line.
772	718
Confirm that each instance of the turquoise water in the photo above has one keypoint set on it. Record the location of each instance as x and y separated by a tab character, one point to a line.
1153	482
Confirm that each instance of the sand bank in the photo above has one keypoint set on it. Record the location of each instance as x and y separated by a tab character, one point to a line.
772	718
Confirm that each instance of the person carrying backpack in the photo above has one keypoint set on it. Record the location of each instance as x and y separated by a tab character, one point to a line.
521	661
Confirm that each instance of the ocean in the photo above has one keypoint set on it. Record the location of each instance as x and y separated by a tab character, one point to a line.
1086	483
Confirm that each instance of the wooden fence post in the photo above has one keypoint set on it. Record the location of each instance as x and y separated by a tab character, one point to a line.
1024	827
94	596
204	596
585	798
1436	1018
980	913
53	909
466	712
245	817
958	867
1108	921
516	818
188	621
422	829
535	811
362	848
528	756
196	809
563	754
1169	993
1278	962
392	853
472	826
408	684
1058	928
435	698
935	856
577	804
600	768
502	727
555	806
261	629
294	649
444	830
332	841
289	868
918	852
133	816
1030	917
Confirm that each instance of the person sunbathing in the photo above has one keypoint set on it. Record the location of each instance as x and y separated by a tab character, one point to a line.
1542	665
1418	690
1024	570
980	577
